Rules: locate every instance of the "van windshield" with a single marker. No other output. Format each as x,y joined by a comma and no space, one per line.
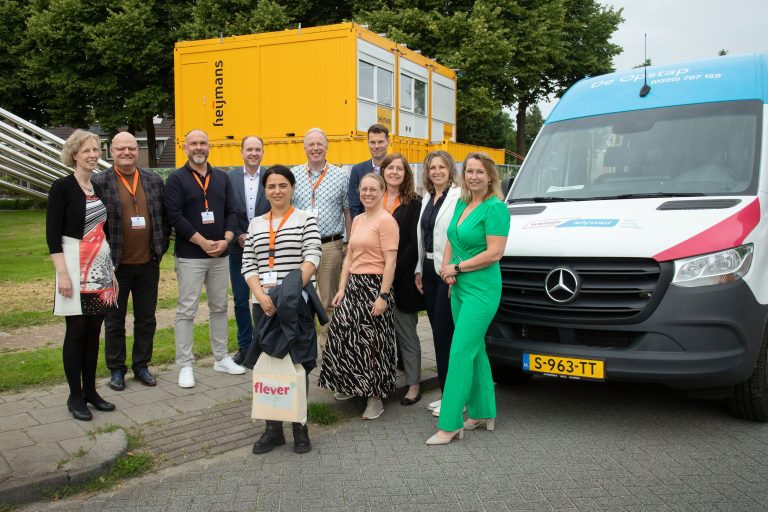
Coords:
708,149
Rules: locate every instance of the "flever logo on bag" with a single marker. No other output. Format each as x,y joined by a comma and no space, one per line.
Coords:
273,393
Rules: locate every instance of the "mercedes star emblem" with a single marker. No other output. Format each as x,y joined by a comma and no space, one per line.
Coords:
562,285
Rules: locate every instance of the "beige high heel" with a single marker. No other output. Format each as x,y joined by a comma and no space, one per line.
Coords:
436,439
488,423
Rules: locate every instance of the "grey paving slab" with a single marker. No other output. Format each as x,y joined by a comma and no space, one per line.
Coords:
19,406
58,431
145,396
193,402
16,421
149,412
39,458
77,445
55,399
52,414
14,439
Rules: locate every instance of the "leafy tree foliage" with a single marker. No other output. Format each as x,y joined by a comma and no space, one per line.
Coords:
510,53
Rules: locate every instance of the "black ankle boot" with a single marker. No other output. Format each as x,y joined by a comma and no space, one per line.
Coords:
301,442
272,436
78,409
99,403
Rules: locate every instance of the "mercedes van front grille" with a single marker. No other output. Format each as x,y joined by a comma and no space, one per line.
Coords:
581,290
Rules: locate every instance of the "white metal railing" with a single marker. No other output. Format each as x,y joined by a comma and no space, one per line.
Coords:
29,157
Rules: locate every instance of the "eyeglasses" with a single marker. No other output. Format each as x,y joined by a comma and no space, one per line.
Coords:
120,149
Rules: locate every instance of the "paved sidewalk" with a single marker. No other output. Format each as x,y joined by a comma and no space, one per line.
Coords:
38,434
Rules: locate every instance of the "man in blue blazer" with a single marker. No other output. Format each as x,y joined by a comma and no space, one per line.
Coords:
378,143
250,202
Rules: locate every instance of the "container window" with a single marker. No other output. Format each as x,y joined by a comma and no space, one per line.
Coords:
384,87
406,93
420,97
365,83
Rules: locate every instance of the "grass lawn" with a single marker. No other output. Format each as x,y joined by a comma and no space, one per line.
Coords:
26,272
43,366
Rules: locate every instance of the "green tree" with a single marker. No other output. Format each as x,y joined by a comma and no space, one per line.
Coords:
510,53
213,18
94,61
15,93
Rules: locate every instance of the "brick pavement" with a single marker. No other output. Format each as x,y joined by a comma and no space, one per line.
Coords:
38,434
557,446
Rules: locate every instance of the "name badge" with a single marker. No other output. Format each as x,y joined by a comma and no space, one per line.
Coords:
314,211
269,279
207,217
138,223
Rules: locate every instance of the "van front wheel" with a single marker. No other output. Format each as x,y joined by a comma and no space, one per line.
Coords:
750,399
509,375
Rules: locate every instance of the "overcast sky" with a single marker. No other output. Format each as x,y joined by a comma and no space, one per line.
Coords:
680,30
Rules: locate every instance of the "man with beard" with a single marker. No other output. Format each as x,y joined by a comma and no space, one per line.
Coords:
200,204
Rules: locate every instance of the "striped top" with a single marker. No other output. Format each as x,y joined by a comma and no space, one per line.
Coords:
296,242
95,213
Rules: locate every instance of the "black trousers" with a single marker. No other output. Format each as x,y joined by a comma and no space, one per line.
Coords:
140,281
438,306
80,354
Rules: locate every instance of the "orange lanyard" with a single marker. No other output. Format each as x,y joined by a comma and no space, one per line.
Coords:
204,187
131,190
394,205
317,183
273,235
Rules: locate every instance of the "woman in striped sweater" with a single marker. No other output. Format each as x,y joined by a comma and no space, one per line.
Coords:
278,242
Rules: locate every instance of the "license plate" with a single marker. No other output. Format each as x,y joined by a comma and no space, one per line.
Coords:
567,367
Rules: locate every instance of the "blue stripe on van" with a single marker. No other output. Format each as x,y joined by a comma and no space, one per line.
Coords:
727,78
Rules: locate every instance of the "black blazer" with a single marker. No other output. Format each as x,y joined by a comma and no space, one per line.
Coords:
353,195
241,205
65,212
407,297
292,328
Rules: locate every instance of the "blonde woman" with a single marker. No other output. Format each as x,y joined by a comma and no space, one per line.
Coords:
359,358
477,236
85,282
439,180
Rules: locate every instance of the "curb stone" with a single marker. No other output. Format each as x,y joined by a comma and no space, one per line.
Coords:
96,461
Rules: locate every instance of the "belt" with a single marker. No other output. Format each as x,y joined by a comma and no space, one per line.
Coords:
430,255
331,238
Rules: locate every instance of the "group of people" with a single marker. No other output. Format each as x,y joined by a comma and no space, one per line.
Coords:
376,252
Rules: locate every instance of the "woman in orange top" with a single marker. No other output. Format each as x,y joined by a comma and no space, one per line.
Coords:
359,357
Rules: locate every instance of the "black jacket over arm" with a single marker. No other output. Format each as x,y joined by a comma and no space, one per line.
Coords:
292,328
407,297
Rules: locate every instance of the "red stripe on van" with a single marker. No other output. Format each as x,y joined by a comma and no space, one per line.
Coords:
726,234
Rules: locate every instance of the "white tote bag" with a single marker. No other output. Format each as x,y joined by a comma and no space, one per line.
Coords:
279,390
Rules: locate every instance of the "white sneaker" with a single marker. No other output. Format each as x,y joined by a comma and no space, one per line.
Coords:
434,405
338,395
186,377
374,409
226,364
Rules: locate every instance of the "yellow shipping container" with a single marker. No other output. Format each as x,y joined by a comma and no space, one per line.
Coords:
341,78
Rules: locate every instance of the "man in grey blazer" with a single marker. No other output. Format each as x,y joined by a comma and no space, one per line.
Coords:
250,202
378,142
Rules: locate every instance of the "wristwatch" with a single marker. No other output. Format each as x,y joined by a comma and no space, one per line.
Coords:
457,268
384,295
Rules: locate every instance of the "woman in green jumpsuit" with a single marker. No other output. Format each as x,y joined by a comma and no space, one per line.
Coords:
477,235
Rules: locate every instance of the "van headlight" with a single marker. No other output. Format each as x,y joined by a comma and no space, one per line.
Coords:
716,268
